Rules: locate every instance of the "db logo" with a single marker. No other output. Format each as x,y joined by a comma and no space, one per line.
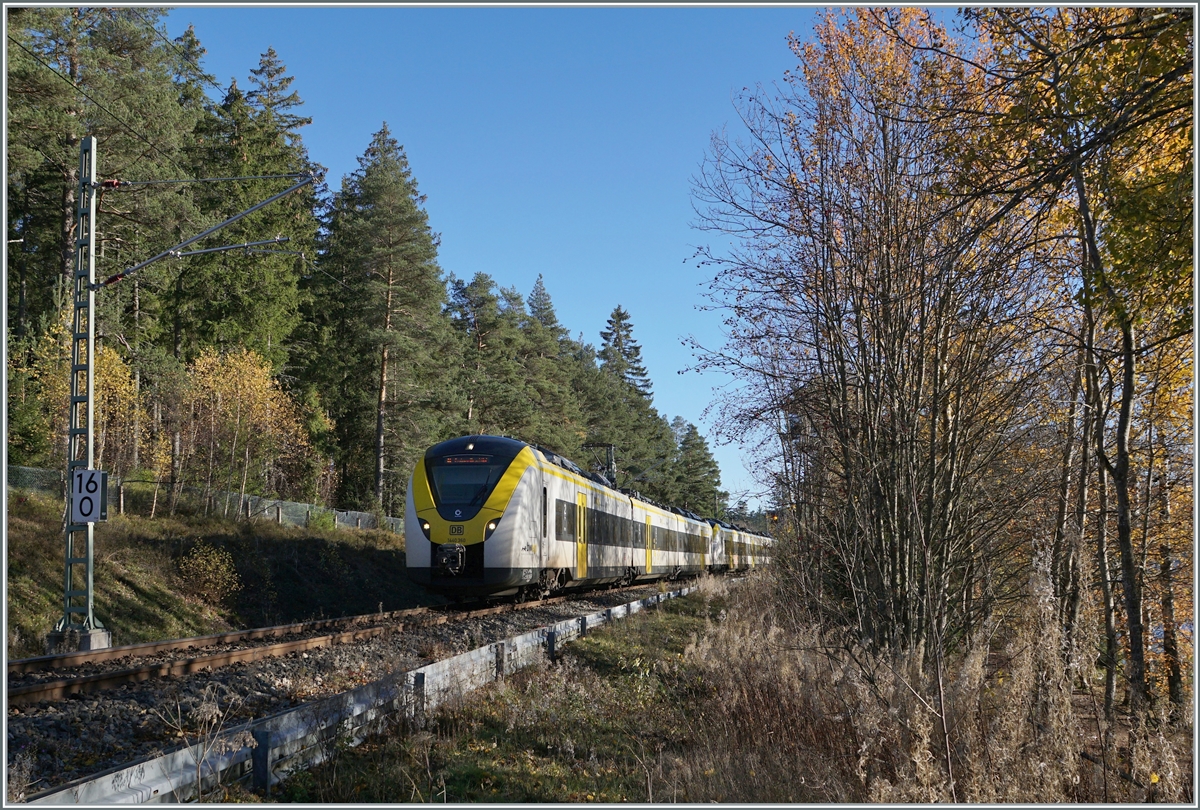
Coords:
456,530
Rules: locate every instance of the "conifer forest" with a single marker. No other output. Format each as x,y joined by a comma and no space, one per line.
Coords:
959,314
319,374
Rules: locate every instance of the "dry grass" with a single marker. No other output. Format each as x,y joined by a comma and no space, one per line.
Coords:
714,698
814,721
186,575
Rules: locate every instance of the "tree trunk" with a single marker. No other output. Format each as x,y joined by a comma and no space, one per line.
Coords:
1110,608
1129,574
381,413
178,320
1095,421
176,462
245,475
1170,638
1064,560
137,385
1119,470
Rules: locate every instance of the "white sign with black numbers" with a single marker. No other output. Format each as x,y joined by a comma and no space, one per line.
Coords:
89,496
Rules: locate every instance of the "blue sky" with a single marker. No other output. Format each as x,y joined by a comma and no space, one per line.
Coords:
558,141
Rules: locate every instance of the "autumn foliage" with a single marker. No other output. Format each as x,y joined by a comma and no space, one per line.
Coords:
960,307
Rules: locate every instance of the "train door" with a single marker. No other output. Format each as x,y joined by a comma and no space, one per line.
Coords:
581,538
649,543
540,532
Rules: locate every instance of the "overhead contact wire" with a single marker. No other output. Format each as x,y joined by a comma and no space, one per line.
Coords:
129,129
123,183
204,77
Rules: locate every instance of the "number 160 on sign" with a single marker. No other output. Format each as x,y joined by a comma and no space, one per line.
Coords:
89,496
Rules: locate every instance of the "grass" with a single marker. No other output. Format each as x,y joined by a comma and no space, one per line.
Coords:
599,726
714,698
279,574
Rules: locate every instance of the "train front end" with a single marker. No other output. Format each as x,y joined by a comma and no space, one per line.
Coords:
466,515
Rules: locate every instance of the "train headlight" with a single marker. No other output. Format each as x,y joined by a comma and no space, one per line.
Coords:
491,527
425,528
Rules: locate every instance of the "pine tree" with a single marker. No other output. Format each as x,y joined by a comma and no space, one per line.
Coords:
378,345
91,71
621,356
113,74
109,73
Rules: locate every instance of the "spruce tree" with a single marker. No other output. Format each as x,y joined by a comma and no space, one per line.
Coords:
615,413
621,356
697,474
249,299
558,421
492,380
271,96
541,308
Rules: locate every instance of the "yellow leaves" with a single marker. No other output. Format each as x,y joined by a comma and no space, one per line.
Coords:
240,417
118,409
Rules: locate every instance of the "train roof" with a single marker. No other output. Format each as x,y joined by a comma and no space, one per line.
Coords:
483,445
509,448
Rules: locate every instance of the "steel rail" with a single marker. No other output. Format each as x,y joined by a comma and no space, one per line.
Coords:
56,690
64,687
65,660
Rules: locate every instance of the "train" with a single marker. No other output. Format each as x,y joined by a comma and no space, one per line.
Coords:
491,516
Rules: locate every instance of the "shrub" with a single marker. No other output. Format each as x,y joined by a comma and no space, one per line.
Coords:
323,520
208,573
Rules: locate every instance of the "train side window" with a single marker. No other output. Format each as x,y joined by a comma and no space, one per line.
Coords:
564,514
543,513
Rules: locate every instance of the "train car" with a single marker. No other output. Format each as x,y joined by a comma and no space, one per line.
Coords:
734,548
492,516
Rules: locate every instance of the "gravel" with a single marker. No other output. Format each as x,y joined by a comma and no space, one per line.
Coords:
52,743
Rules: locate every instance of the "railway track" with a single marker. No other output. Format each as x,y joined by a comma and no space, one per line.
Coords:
172,657
62,739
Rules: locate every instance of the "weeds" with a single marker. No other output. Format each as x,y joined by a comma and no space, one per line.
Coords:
717,697
19,774
199,724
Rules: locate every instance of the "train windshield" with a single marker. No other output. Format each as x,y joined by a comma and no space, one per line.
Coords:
465,480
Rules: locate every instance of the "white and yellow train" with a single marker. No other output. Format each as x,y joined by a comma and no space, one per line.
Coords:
491,516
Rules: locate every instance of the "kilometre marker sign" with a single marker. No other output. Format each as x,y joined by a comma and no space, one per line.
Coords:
89,496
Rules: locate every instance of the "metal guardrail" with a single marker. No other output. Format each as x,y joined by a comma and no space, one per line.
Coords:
305,736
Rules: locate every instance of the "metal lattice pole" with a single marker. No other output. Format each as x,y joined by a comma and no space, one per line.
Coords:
78,612
78,571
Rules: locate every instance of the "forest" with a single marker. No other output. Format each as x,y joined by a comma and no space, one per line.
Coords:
317,369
